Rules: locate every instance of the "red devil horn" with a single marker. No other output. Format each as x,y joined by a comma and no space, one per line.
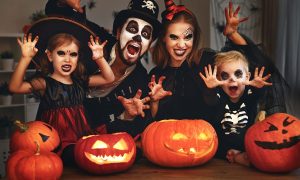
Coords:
170,5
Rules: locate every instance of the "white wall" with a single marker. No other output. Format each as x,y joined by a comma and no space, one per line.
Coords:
15,13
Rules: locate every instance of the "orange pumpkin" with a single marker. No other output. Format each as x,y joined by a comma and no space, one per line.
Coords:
27,164
273,145
106,153
26,134
179,143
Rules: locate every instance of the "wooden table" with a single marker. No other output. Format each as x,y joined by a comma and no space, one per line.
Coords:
215,169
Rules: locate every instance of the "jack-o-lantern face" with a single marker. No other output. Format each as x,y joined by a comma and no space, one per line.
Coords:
273,144
27,134
179,143
107,153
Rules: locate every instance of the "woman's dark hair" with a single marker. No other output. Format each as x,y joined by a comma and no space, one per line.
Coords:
160,54
59,40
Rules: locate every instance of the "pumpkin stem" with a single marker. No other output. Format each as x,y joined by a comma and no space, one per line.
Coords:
37,148
22,126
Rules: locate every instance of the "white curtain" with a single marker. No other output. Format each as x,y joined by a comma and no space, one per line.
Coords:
287,55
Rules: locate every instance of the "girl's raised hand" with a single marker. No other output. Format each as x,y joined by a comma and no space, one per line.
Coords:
96,47
259,81
210,77
157,90
28,46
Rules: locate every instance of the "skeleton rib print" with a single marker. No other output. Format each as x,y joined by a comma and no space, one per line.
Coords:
234,120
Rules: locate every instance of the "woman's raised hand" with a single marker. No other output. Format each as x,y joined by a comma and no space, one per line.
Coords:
232,20
157,91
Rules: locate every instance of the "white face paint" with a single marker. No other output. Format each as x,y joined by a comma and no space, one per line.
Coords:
135,39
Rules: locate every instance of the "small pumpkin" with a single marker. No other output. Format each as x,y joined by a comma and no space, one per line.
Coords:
179,143
273,145
105,153
29,164
26,134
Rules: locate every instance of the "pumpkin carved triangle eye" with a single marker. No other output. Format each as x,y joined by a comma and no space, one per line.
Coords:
286,122
44,137
121,145
179,136
271,128
99,145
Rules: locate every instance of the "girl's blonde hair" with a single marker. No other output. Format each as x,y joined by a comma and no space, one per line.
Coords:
231,56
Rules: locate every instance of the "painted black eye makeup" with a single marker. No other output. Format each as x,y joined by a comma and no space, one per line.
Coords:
238,73
224,76
61,53
188,34
147,32
189,37
173,36
132,27
73,54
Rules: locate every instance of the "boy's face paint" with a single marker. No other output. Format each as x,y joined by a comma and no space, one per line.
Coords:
135,39
235,73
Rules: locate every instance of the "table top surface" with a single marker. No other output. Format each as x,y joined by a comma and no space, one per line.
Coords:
214,169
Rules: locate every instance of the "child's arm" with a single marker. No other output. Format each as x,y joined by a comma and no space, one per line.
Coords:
28,49
259,81
210,77
106,76
157,93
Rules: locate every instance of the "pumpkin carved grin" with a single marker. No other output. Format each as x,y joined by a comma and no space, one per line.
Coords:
274,145
109,159
191,151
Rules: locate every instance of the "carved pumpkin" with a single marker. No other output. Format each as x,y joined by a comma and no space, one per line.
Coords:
179,143
26,134
106,153
28,164
273,145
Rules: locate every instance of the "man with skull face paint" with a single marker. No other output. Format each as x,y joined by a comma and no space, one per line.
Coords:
120,106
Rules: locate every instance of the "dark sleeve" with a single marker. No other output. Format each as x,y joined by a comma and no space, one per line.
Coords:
134,127
275,96
138,124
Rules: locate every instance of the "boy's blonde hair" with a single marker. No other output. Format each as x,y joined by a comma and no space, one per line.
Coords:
231,56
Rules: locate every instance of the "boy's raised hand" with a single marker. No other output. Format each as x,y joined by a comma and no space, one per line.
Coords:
259,81
96,47
210,77
28,46
157,91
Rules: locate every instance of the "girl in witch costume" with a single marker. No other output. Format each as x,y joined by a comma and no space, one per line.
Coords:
62,85
177,91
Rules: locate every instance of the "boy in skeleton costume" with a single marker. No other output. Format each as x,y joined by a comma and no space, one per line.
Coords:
236,102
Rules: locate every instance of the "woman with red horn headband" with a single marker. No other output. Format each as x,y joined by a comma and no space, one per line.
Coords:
177,90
